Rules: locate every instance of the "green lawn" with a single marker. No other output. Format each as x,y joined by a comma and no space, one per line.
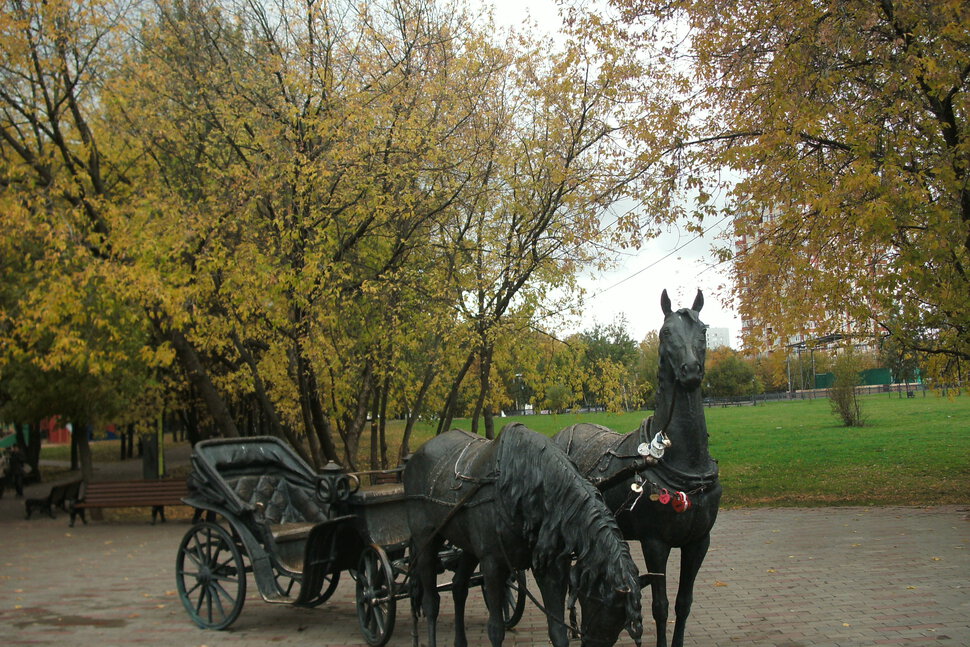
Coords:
913,451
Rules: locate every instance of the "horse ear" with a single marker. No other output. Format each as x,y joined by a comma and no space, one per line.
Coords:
665,303
698,302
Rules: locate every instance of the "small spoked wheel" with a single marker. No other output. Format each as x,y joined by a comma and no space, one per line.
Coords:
210,576
514,601
289,586
376,606
330,581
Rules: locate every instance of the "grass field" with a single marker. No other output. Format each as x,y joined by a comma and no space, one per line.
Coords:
913,451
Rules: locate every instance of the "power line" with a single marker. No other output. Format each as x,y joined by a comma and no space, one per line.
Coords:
659,260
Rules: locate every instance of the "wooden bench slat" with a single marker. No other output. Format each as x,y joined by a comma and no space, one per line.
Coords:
132,494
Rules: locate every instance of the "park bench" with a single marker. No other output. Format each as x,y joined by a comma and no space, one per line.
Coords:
131,494
61,496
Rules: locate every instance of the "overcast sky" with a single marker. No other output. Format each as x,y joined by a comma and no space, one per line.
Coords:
676,261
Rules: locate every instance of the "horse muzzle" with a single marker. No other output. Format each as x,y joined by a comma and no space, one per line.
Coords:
690,374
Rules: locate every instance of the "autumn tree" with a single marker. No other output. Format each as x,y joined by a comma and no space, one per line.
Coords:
306,215
835,135
561,160
729,375
772,370
610,356
646,367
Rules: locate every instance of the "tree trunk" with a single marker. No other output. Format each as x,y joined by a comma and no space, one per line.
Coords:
413,413
356,425
489,416
199,378
321,424
31,448
382,413
484,383
75,433
84,450
375,405
448,412
304,391
190,417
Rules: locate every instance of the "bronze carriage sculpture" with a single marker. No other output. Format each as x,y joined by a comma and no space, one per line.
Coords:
261,509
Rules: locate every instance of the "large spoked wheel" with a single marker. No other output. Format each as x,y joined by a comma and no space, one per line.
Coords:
376,606
514,604
210,576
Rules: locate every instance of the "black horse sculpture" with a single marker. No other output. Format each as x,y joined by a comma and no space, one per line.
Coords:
514,503
674,502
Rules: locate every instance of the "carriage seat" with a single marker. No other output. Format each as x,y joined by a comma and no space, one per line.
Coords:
279,501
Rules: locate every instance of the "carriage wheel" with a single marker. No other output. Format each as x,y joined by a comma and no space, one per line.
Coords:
290,586
514,604
376,606
210,576
330,581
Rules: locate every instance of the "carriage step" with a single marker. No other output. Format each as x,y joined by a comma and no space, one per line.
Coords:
278,598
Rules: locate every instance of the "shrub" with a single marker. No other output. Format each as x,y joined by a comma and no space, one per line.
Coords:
845,401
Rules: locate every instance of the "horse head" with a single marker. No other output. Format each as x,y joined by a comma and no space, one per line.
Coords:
604,619
683,342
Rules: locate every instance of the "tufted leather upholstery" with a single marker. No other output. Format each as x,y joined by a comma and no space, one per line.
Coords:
281,501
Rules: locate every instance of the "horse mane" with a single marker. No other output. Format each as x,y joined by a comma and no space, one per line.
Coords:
563,515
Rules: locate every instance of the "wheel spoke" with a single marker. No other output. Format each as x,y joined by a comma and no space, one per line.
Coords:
217,599
379,619
202,597
196,554
225,594
192,590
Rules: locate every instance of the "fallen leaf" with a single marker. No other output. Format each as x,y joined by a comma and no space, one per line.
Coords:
719,583
771,570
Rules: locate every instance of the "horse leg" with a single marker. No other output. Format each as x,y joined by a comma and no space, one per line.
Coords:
691,558
425,565
459,591
495,574
552,586
655,554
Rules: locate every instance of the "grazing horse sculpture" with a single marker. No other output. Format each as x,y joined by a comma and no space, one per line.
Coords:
514,503
664,503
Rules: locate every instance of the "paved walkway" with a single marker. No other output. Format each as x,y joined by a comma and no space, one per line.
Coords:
836,577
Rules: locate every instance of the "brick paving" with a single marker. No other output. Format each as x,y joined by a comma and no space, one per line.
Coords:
834,577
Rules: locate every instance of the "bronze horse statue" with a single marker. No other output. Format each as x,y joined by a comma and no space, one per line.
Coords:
513,503
670,502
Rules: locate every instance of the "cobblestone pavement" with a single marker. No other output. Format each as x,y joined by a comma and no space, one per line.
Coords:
774,577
